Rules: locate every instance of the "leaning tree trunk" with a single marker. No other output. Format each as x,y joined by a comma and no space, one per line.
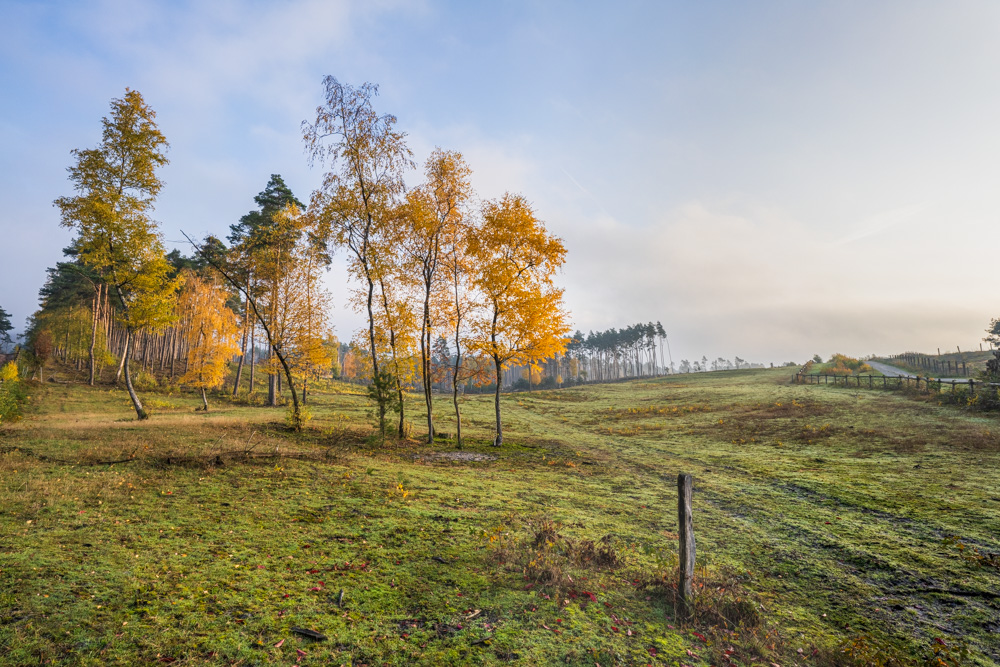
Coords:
139,411
204,400
296,410
121,363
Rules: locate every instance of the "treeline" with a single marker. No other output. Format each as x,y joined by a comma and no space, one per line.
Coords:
719,364
634,351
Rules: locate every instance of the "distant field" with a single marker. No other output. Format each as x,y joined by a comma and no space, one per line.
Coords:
840,527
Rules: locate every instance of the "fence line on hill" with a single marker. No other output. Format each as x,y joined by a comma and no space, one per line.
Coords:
931,363
888,382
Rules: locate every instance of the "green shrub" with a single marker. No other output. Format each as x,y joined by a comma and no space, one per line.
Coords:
12,393
142,380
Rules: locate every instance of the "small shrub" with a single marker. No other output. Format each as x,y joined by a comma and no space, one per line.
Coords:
843,365
12,393
297,423
143,380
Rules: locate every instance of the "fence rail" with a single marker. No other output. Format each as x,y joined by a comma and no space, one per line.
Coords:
930,363
887,382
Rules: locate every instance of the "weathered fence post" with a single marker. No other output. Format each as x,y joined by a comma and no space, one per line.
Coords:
685,523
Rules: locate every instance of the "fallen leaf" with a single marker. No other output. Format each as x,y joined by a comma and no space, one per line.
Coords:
278,645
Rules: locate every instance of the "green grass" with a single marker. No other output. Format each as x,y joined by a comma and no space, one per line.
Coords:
833,518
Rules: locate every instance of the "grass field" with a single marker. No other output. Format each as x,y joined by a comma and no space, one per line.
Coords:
834,527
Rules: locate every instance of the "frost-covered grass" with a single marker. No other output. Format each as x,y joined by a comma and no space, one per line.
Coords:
831,518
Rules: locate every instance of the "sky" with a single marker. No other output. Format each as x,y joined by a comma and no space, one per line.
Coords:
769,180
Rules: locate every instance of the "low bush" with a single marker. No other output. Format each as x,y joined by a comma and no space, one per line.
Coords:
840,364
13,393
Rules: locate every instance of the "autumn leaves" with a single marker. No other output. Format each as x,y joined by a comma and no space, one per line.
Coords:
433,270
427,262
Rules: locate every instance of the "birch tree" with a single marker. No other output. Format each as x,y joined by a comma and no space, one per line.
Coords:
367,157
117,185
515,260
434,213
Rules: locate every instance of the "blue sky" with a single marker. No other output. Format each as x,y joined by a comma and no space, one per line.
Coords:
768,179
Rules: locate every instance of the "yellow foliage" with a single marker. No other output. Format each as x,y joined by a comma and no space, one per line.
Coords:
9,372
516,259
117,185
211,332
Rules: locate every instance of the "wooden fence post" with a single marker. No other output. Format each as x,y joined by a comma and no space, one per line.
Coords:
685,586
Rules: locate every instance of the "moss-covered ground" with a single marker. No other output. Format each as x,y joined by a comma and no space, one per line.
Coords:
837,526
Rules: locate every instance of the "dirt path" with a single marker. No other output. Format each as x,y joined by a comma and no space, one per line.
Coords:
893,372
889,371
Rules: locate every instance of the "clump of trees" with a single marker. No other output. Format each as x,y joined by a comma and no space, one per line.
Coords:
453,290
424,260
633,351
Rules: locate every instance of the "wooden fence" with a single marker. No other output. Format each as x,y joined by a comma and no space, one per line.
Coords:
931,363
886,382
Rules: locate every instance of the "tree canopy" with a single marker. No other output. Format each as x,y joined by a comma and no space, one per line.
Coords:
117,185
